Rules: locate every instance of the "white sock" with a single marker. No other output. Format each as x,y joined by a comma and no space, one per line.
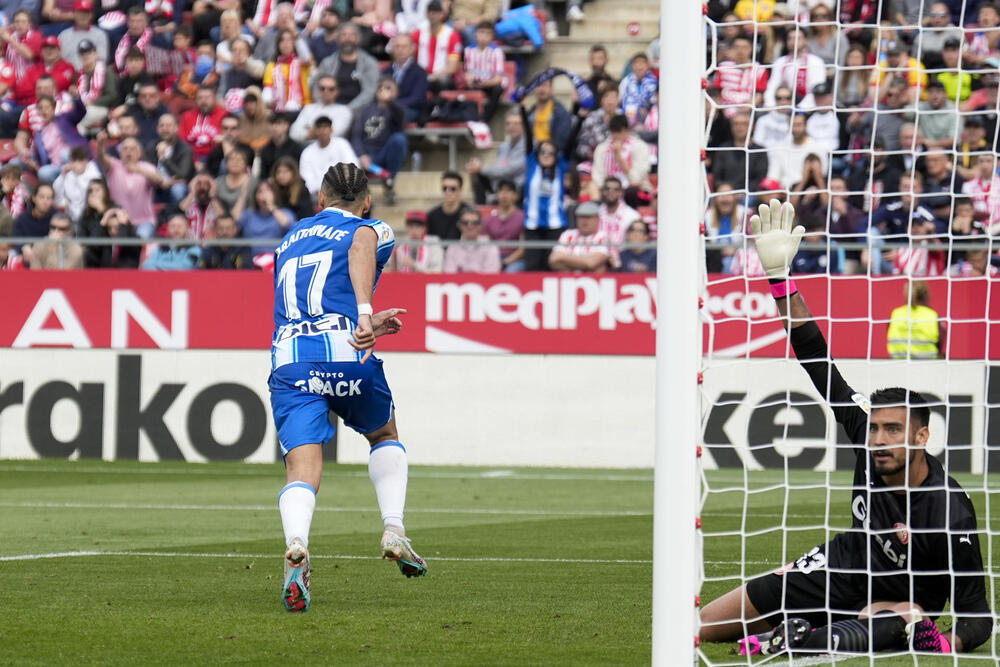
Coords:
388,471
296,503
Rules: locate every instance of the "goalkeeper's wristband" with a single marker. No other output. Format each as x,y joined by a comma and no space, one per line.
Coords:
782,287
365,309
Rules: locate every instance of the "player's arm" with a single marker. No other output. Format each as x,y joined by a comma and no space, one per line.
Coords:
777,240
361,265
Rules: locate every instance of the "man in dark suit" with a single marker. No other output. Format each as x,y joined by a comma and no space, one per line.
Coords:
411,78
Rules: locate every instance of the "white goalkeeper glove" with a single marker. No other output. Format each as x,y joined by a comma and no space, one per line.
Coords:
777,241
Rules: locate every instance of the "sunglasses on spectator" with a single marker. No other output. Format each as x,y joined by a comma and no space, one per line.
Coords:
328,88
449,188
636,229
470,223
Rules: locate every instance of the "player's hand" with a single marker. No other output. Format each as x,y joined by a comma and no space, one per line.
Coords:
364,337
386,322
777,239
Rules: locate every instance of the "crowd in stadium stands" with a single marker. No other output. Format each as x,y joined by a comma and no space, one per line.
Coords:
877,119
218,119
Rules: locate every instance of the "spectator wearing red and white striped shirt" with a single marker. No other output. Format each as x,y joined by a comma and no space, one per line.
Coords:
15,194
584,248
740,80
23,44
202,207
484,64
799,70
10,260
746,262
918,259
624,156
614,215
439,48
978,188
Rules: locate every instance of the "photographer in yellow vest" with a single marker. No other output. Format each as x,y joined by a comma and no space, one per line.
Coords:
914,332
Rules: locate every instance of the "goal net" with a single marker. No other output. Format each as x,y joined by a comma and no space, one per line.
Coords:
878,121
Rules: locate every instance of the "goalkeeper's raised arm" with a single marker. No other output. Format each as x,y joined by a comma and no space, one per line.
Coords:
777,238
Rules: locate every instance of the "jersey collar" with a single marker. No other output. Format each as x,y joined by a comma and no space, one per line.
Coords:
347,214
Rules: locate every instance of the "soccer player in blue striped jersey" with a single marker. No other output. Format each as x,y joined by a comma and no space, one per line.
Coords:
325,272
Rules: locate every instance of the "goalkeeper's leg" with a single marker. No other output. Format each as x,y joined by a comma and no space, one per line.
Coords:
731,616
760,604
887,631
882,626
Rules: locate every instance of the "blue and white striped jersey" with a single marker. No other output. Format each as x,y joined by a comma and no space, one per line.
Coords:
315,310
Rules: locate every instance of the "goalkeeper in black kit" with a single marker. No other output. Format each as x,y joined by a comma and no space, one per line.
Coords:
913,544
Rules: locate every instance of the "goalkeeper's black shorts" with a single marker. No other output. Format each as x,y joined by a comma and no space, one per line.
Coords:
810,588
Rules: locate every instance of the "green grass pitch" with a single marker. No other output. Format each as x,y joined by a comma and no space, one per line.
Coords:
181,563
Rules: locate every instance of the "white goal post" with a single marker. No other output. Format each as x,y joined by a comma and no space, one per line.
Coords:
751,468
678,335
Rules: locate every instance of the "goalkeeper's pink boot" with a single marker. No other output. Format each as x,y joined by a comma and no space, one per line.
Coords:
786,636
923,635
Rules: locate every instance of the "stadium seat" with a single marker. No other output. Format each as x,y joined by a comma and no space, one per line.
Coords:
477,96
438,133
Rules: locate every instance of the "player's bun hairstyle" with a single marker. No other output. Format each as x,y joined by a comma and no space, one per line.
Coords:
345,182
897,397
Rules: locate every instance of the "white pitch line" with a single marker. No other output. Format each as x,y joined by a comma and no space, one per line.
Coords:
498,474
276,557
741,562
268,508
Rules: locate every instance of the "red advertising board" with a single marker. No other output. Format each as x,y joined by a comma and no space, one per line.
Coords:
520,313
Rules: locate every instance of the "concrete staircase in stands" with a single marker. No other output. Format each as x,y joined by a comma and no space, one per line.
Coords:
606,23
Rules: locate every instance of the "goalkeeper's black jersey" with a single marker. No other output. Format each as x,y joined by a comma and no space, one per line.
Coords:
919,544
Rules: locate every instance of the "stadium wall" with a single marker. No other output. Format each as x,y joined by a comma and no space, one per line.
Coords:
484,409
530,369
